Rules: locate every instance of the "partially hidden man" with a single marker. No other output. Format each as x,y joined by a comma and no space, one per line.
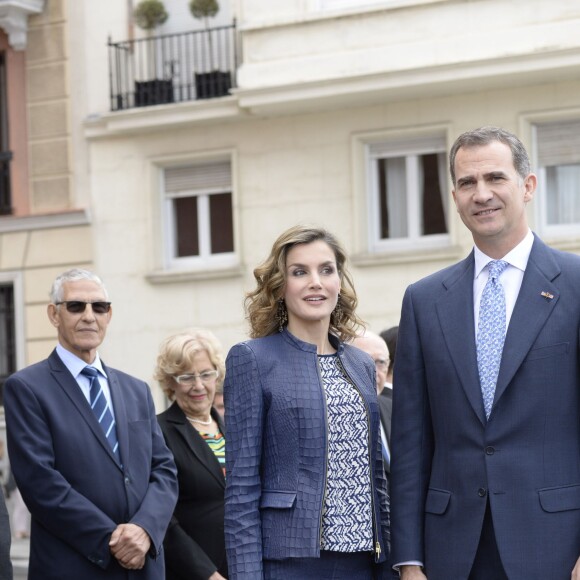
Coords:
485,478
87,452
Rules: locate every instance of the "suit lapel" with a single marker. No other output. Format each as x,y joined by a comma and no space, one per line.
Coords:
120,411
195,442
71,388
455,313
530,312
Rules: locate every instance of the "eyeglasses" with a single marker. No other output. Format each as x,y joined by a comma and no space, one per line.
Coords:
78,306
382,363
207,377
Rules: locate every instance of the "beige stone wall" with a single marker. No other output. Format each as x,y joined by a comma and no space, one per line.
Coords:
34,248
48,94
38,256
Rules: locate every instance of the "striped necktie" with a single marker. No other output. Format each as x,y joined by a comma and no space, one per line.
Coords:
101,409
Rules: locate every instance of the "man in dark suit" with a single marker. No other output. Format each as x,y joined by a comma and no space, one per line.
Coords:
376,347
86,451
390,337
485,479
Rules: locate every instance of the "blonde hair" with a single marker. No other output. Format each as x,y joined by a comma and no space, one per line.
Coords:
262,303
176,354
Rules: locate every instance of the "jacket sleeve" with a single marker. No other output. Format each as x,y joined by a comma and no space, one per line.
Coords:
56,505
184,556
157,506
244,406
412,440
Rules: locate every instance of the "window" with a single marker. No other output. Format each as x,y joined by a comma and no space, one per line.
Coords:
408,192
7,334
198,214
558,161
5,154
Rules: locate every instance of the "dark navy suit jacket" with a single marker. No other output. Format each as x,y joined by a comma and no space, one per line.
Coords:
74,487
276,451
449,461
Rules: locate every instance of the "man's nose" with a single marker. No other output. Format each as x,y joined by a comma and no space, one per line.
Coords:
482,192
88,313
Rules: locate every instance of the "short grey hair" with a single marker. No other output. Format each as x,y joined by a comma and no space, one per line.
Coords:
73,275
486,135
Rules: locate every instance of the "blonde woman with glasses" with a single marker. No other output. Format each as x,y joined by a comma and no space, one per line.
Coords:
190,368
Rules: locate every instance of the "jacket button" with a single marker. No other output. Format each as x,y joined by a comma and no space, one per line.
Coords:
482,492
489,450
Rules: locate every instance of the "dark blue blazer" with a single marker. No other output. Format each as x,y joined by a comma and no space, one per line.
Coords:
71,482
449,462
276,451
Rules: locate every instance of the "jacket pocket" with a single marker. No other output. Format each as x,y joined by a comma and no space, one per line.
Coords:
278,499
437,501
560,499
547,351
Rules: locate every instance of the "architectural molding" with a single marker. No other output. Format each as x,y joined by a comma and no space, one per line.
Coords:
28,223
14,19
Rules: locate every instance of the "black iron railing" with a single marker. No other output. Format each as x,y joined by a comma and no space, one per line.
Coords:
5,191
172,68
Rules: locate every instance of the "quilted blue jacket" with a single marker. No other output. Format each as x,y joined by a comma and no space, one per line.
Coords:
276,451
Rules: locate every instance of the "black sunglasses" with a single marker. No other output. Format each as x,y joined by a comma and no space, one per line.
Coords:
77,306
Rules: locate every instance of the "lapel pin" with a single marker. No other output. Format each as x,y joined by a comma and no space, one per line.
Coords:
547,295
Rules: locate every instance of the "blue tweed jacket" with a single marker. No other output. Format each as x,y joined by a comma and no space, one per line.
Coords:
276,451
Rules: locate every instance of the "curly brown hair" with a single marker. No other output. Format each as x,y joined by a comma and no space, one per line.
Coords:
262,303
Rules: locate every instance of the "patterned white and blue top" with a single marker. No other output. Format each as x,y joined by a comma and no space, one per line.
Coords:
347,512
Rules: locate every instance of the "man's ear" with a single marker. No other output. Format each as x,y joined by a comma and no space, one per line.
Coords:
53,315
530,184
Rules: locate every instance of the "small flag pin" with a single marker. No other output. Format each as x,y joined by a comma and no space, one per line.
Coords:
547,295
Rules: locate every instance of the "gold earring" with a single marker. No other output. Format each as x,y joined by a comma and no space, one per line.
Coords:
337,313
281,315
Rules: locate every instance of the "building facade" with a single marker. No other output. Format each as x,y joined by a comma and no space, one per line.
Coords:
169,161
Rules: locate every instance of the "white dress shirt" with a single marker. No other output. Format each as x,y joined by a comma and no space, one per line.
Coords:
511,279
75,365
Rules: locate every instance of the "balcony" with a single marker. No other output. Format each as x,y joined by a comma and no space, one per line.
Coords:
173,68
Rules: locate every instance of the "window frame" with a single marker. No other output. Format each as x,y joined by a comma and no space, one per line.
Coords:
205,261
407,146
544,229
15,278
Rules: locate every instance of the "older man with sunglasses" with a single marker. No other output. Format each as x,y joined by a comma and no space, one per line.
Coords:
87,452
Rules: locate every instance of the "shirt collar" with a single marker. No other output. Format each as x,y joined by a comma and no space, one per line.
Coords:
517,257
74,364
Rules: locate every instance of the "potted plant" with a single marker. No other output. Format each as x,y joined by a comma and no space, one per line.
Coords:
148,15
213,82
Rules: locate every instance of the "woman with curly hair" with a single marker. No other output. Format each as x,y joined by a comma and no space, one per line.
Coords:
190,368
305,488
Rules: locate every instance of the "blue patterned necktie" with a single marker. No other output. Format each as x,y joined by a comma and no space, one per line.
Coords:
101,409
491,332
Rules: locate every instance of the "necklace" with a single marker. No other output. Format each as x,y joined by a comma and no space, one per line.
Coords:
199,421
